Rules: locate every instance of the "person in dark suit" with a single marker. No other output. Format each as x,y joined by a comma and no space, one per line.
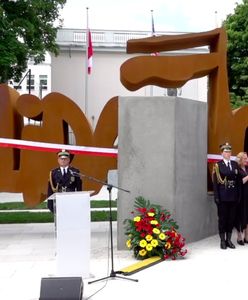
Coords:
241,223
65,178
227,190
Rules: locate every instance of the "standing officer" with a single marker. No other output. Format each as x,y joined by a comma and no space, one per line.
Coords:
64,178
226,182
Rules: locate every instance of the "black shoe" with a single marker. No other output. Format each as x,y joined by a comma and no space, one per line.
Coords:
245,241
229,244
241,242
222,244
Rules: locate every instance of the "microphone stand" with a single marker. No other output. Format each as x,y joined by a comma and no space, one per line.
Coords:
113,273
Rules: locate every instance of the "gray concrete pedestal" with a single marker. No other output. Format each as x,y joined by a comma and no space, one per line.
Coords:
162,156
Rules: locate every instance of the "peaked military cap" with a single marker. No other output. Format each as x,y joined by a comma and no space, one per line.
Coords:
64,153
226,147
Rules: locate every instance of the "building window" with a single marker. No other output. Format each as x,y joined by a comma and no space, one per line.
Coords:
43,82
30,82
15,85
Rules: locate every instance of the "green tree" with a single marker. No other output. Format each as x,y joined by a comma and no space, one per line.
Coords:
237,53
27,30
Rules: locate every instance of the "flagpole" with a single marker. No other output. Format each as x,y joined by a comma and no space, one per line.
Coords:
86,66
216,18
153,33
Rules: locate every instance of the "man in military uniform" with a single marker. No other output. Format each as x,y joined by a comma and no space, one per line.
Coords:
64,178
227,187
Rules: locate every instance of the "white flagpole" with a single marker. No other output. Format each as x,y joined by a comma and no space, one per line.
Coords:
216,18
153,33
86,66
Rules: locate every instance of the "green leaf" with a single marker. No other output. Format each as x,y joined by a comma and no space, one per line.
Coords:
236,26
26,30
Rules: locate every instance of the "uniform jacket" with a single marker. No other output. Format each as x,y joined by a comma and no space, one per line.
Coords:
226,182
68,182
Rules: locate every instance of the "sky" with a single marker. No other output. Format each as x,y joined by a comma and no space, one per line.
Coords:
173,15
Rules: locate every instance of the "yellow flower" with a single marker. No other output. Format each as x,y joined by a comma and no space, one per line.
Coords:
154,243
162,236
142,243
142,252
154,222
150,214
167,245
128,244
149,247
149,238
156,231
137,219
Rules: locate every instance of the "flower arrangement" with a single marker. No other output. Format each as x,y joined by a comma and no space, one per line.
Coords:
152,232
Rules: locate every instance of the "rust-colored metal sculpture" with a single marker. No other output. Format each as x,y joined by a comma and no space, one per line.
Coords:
27,171
174,71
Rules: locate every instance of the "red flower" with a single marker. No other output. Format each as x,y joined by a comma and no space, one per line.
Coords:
183,252
141,210
161,219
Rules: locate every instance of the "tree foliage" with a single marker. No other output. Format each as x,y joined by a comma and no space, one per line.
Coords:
237,53
27,31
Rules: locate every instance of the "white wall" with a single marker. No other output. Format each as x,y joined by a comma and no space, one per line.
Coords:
68,78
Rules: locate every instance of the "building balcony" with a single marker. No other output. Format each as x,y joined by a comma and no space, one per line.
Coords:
75,39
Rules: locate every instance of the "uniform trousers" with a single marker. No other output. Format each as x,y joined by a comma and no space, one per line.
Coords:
226,215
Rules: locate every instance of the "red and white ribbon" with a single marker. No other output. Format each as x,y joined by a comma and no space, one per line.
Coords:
95,151
216,157
49,147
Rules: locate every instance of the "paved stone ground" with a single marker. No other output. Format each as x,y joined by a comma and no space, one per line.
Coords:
27,254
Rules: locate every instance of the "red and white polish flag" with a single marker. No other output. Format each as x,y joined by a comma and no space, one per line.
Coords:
90,52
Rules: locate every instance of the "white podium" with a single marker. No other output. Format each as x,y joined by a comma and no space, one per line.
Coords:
72,219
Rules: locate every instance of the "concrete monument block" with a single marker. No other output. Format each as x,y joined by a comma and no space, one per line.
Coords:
162,146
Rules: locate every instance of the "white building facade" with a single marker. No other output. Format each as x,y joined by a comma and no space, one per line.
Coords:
36,80
68,71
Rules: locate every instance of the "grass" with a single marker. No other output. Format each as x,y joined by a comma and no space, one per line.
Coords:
46,217
97,216
25,217
43,205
